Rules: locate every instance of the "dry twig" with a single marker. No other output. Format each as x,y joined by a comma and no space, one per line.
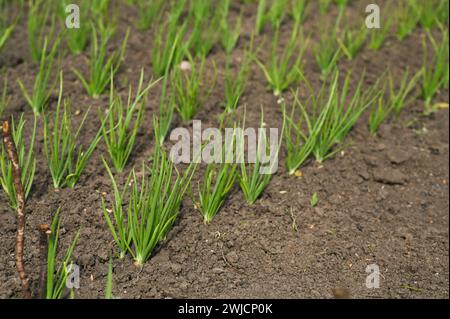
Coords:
44,233
12,154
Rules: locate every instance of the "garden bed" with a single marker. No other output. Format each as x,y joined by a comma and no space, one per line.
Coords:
383,199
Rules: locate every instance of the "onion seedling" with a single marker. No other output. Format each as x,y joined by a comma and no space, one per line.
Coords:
118,130
435,75
252,180
406,18
100,64
75,38
187,85
342,3
104,14
162,122
40,95
314,200
4,98
398,99
216,184
341,113
205,29
443,12
38,14
277,13
167,49
109,281
57,276
327,52
261,17
167,102
152,208
352,41
426,11
26,159
378,36
302,130
199,11
148,12
333,114
99,8
66,160
235,84
5,34
378,113
229,37
6,26
283,68
299,11
323,6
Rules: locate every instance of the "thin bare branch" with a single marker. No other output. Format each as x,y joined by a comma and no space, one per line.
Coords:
12,154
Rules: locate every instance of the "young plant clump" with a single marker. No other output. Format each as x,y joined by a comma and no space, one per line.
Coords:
57,276
101,66
327,52
327,120
66,160
38,36
118,130
261,17
399,98
206,24
4,97
406,18
6,26
167,101
187,84
300,144
277,13
148,12
153,206
352,41
167,49
216,185
428,12
340,114
378,114
394,101
41,92
27,162
435,75
378,36
76,38
235,84
299,11
229,37
283,68
252,179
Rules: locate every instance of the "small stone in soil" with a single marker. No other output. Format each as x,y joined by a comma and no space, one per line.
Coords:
389,176
364,174
176,268
232,257
398,156
217,270
372,161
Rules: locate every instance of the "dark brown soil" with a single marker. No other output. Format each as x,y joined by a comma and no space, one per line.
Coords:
382,200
